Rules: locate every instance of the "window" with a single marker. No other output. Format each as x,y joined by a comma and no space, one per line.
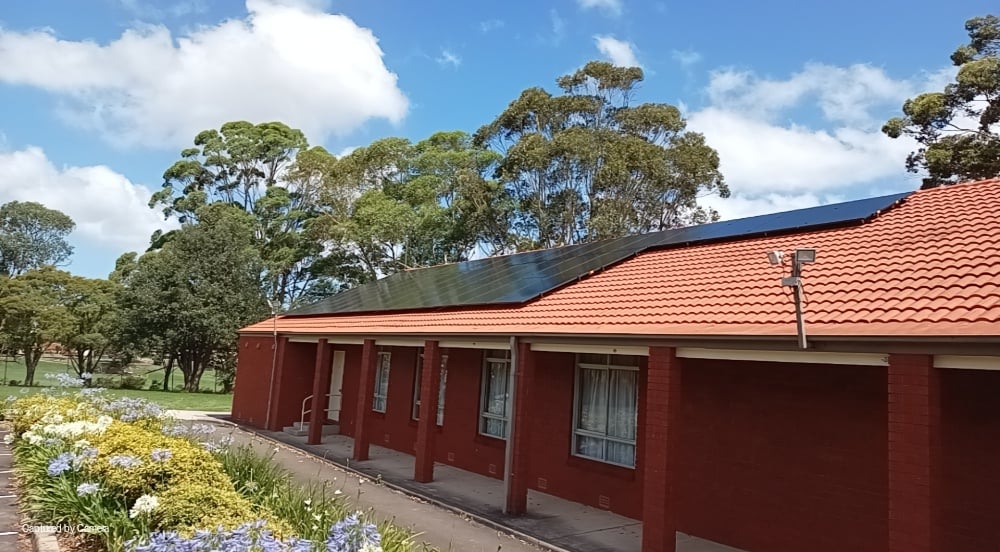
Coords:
493,405
381,383
441,387
607,410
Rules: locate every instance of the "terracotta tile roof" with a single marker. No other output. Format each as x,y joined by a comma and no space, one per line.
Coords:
928,267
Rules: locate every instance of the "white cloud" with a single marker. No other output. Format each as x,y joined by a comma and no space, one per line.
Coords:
772,164
448,58
686,58
108,209
491,25
558,26
286,61
611,7
619,52
843,94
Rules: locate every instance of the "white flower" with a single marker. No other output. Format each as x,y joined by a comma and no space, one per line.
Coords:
308,501
104,421
144,505
369,547
32,438
337,492
8,439
81,444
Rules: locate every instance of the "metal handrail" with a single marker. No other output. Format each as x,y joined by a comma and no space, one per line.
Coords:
302,418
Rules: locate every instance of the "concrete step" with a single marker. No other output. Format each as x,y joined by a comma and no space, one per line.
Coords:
300,429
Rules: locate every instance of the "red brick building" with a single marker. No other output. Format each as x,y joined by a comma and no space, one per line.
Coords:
671,381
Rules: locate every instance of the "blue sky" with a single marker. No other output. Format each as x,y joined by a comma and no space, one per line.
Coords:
100,96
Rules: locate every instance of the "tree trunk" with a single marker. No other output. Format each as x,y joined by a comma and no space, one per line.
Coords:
167,370
31,357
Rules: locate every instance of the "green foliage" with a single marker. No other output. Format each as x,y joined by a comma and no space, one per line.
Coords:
190,489
588,165
33,307
189,298
396,205
89,335
270,173
189,505
188,462
958,130
32,236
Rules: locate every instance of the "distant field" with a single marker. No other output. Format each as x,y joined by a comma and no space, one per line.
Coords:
14,370
176,400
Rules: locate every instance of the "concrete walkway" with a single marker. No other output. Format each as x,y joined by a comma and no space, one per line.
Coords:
460,510
10,519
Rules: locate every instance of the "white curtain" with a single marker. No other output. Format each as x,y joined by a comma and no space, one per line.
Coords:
496,399
622,413
608,405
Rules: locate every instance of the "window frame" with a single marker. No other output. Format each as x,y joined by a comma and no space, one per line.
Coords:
384,362
484,415
578,432
442,386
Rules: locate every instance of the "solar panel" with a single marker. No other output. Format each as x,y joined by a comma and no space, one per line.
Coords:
514,279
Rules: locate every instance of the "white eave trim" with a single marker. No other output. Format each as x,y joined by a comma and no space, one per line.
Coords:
804,357
331,339
478,344
967,362
594,349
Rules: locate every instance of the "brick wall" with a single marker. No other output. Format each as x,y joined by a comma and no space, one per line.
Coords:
553,469
969,497
253,374
783,457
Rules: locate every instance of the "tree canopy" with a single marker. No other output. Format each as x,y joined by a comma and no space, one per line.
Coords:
34,313
586,164
958,130
189,298
268,171
32,236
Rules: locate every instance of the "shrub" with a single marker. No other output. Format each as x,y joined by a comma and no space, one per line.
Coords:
132,382
133,461
188,504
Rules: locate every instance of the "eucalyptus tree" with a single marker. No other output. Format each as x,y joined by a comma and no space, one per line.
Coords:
32,236
269,171
586,164
958,130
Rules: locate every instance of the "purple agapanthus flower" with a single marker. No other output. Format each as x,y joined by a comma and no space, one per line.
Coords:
61,464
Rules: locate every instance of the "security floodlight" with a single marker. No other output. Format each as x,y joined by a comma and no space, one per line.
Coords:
801,256
805,255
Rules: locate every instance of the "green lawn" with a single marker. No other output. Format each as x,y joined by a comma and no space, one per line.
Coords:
175,400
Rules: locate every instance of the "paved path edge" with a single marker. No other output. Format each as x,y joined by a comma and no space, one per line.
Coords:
492,524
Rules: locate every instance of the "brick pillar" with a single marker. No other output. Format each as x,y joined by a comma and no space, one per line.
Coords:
274,391
521,417
661,444
430,382
914,416
321,387
366,387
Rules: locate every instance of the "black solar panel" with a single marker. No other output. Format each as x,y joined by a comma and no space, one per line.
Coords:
519,278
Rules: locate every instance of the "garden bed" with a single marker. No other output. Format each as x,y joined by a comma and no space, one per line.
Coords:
127,477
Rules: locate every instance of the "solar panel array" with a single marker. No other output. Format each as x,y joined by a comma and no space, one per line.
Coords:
514,279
